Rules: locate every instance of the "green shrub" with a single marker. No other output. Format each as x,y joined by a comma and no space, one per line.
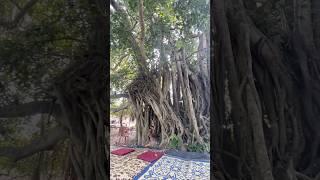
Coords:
175,142
199,147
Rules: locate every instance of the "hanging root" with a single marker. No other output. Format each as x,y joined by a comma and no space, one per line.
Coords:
150,106
82,99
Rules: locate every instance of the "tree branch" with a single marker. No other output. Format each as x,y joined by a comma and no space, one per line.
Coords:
116,96
19,16
120,108
141,21
120,61
302,176
27,109
137,47
115,5
16,4
46,142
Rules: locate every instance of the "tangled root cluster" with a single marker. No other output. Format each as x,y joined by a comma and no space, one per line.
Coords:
81,92
141,85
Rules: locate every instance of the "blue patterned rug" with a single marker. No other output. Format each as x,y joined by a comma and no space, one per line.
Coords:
176,168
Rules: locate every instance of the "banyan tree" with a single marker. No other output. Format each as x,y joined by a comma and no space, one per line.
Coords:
173,96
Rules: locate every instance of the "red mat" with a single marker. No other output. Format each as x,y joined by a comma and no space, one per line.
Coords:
122,151
150,156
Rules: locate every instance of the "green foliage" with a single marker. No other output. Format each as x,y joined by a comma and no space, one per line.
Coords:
194,12
115,104
24,166
122,70
175,142
199,147
32,56
53,161
170,20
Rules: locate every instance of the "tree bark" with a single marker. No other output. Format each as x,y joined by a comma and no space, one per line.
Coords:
29,109
19,16
266,77
43,143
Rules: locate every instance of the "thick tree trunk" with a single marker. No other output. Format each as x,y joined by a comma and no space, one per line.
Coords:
269,118
81,91
37,171
183,72
315,6
121,116
175,90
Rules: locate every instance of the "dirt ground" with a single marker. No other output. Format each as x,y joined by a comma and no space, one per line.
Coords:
114,130
114,137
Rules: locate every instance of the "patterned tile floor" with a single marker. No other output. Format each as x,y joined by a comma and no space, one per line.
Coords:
168,167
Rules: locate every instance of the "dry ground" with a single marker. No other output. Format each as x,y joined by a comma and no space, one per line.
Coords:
114,129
